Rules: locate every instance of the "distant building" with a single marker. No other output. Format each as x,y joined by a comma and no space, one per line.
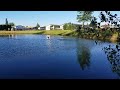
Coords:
54,27
109,26
19,27
43,28
29,28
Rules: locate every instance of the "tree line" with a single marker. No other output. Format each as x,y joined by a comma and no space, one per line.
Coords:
105,16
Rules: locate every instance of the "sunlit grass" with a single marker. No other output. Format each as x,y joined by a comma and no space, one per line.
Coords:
20,32
114,37
50,32
58,32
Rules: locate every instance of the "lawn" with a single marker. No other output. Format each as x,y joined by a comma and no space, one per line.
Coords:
20,32
51,32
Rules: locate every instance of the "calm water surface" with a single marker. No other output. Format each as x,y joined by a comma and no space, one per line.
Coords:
36,57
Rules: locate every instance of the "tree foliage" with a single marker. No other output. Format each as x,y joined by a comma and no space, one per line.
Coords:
37,25
84,16
112,19
65,26
69,26
12,24
93,22
6,21
107,16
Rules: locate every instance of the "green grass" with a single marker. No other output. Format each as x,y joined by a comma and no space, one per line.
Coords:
58,32
20,32
51,32
46,32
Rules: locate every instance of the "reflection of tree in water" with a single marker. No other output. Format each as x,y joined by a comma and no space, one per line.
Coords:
113,55
83,54
10,35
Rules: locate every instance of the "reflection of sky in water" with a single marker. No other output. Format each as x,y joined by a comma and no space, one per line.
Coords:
35,56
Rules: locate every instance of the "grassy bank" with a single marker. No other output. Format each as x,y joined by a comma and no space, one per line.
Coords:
51,32
102,36
20,32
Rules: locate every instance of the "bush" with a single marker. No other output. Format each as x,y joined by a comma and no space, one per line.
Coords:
106,33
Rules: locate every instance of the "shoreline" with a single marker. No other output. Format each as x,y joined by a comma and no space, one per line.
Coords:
70,33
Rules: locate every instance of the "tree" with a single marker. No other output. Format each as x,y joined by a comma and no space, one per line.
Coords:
65,26
112,19
84,16
12,24
69,26
113,56
93,22
37,25
6,21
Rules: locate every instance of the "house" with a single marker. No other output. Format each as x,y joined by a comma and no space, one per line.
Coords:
54,27
104,26
109,26
29,28
20,27
43,28
113,26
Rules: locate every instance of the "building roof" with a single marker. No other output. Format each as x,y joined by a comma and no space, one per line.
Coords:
55,24
43,27
29,27
76,24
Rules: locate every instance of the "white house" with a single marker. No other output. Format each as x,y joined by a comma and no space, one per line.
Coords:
48,27
54,27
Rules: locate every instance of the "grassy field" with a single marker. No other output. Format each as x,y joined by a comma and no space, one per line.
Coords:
19,32
51,32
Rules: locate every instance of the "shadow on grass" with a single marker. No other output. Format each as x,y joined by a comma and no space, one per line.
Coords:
69,34
61,33
42,32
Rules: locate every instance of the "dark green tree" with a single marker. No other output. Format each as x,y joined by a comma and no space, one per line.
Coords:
12,24
65,26
6,21
93,22
37,25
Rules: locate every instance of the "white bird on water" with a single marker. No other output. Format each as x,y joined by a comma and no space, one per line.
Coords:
48,36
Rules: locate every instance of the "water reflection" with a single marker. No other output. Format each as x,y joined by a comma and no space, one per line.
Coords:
12,36
48,43
113,56
4,35
83,55
9,36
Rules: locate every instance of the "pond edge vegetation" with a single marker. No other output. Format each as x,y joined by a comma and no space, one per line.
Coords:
104,36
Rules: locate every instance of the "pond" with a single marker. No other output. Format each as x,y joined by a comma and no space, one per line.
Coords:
57,57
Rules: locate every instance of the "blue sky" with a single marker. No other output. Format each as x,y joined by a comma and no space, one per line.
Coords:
31,18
